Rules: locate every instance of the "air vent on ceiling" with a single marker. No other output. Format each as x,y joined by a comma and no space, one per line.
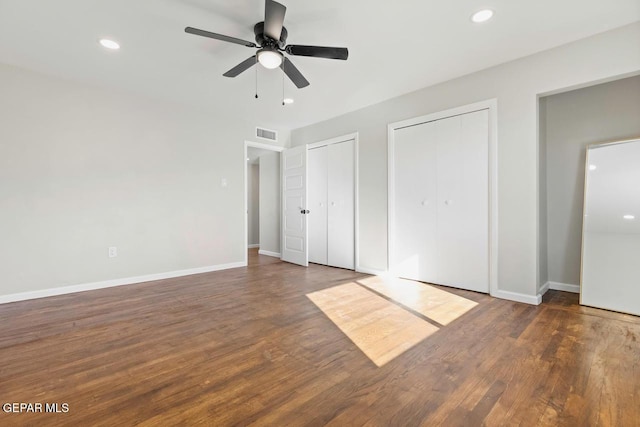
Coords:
270,135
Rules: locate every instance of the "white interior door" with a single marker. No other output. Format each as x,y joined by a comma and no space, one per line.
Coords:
415,193
341,210
441,202
463,201
317,202
294,205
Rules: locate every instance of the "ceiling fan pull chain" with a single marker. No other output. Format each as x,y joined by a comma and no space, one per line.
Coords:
282,66
256,76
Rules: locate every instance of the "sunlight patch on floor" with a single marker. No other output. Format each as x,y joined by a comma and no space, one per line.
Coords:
381,329
432,302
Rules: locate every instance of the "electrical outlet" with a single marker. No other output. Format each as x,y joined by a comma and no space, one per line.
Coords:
113,252
223,182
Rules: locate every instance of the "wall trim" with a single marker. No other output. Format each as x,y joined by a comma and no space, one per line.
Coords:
43,293
566,287
371,271
253,245
543,289
269,253
517,297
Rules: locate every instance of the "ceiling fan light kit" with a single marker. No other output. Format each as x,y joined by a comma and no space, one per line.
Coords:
271,38
269,58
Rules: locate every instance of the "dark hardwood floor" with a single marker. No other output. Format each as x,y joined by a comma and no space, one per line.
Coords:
247,347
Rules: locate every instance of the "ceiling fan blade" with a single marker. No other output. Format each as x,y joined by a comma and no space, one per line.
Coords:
243,66
273,18
217,36
318,51
294,74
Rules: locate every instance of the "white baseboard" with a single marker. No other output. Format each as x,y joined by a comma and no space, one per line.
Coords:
269,253
115,282
518,297
372,271
557,286
544,289
253,246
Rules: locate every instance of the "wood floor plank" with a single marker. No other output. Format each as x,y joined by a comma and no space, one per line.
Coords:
379,328
248,347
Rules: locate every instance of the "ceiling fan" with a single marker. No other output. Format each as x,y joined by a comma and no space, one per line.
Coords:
271,38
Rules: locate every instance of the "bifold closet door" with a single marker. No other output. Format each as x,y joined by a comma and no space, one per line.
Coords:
440,202
317,202
415,193
341,205
463,201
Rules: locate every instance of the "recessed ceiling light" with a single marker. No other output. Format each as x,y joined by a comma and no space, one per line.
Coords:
482,16
288,100
109,44
629,217
592,167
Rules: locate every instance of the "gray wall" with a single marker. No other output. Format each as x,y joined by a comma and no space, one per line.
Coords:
85,168
253,203
270,202
516,86
605,112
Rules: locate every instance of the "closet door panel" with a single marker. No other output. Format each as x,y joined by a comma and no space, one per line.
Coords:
341,205
317,204
415,204
462,212
475,212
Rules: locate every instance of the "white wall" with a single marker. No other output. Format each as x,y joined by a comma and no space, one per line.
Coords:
575,119
270,202
516,85
84,168
253,203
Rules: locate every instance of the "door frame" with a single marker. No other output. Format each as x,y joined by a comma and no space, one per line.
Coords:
247,145
492,106
356,204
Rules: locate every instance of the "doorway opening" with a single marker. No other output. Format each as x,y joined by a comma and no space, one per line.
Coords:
262,200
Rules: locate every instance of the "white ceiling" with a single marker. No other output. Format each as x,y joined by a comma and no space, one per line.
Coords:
395,46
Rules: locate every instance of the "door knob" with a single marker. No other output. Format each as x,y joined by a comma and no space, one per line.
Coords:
305,211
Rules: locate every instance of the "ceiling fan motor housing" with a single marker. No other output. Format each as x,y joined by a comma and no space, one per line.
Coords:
265,41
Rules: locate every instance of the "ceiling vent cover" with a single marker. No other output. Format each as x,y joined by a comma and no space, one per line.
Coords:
267,134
